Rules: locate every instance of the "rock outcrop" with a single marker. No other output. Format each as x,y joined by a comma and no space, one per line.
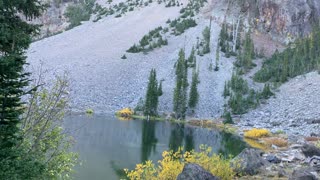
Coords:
283,19
250,161
310,150
194,171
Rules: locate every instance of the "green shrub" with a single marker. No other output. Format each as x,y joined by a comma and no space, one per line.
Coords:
76,14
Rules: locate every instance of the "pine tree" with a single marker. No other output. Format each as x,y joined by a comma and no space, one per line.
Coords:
152,96
180,91
194,94
15,37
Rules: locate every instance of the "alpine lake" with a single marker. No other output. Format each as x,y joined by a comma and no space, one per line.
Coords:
107,145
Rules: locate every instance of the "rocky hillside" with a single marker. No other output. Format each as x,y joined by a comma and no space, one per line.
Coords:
102,80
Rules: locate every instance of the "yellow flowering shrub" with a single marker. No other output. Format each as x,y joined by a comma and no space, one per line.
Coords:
172,164
125,113
256,133
142,171
318,144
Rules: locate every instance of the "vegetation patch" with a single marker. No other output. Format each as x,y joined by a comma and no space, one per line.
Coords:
256,133
299,58
152,40
279,142
155,38
125,113
213,124
89,111
172,164
256,144
79,12
312,138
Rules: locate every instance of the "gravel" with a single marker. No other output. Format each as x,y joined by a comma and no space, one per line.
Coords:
294,107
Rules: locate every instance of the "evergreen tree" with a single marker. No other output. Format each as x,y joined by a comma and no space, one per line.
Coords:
246,56
152,97
206,36
226,91
217,58
160,92
192,56
180,91
15,37
194,94
266,92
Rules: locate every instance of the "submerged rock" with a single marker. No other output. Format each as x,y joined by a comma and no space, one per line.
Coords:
194,172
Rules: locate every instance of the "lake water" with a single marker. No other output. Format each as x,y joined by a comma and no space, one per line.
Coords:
107,145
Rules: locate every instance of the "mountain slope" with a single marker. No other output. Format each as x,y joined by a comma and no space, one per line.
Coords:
101,80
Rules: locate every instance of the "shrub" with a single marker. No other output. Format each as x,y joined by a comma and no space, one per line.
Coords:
172,164
79,12
312,139
318,144
89,111
256,133
280,142
255,144
228,118
124,57
126,112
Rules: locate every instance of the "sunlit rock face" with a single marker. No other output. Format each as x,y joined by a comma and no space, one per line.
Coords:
283,19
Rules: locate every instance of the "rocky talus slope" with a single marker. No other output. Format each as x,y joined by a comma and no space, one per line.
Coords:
101,80
295,108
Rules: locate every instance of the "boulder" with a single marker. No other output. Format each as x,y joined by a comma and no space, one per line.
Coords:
195,172
315,163
250,161
273,159
310,150
303,174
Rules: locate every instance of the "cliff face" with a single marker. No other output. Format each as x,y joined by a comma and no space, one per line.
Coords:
283,19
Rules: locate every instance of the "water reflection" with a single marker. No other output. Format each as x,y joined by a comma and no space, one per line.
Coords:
107,145
148,139
176,136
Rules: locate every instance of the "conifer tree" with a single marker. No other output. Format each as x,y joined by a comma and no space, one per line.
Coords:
180,91
192,56
216,68
152,97
160,92
194,94
15,37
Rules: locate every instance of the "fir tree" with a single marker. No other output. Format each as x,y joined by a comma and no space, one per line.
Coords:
216,68
194,94
15,37
180,91
152,96
192,56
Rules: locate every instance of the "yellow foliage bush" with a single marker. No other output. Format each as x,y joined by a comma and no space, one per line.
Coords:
318,144
125,113
256,133
173,162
